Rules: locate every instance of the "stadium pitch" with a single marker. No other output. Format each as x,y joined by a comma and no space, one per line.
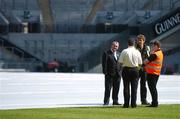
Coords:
110,112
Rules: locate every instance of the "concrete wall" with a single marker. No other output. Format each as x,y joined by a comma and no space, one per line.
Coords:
64,47
172,62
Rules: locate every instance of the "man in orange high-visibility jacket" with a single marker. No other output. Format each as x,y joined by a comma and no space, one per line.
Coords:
153,65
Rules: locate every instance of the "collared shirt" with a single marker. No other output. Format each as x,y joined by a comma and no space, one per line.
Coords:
115,55
145,51
130,57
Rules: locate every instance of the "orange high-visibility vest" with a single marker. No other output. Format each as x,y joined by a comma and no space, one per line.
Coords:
154,67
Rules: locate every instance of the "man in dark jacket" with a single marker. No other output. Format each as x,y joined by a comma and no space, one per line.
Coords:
145,52
111,71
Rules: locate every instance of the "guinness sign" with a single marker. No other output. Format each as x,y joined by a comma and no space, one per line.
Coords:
167,23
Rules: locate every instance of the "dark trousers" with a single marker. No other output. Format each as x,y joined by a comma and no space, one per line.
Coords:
152,82
143,89
130,78
111,82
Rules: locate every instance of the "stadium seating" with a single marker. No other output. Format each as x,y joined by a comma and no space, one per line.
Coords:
71,30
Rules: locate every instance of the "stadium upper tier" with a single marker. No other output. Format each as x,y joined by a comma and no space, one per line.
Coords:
110,5
8,5
78,10
69,16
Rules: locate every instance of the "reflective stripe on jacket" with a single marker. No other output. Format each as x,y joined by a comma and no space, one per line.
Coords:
154,67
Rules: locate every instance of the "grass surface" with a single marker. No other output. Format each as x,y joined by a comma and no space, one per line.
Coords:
141,112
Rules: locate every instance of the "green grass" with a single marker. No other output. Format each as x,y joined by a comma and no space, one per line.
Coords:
141,112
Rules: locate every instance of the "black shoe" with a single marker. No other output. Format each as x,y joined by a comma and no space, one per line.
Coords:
116,103
133,106
145,103
125,106
106,103
152,106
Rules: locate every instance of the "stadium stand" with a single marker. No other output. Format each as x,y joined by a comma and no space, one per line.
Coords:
77,31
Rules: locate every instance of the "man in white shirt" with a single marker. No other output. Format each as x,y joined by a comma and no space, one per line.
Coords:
130,59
